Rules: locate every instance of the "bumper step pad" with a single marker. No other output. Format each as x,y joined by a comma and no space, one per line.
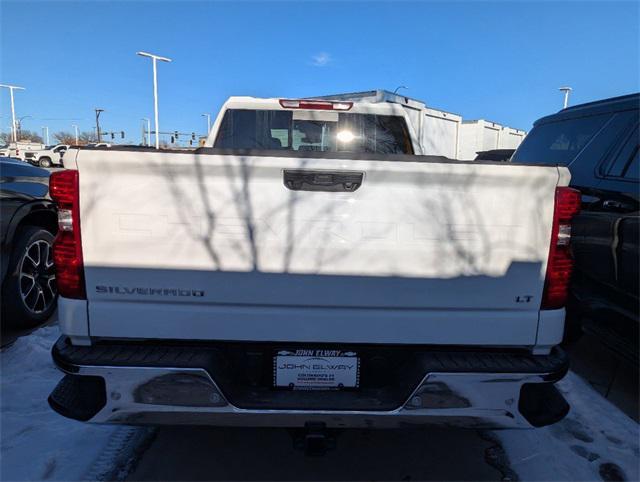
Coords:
78,397
202,355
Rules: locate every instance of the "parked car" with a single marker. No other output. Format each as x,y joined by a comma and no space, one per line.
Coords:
47,157
99,144
598,142
28,223
306,267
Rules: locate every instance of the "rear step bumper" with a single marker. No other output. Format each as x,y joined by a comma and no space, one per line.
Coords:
168,384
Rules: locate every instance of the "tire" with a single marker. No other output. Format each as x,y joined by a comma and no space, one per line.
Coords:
29,292
44,162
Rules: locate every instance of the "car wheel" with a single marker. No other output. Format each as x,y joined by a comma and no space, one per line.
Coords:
45,162
29,292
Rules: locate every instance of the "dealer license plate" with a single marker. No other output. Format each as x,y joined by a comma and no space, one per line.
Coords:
316,369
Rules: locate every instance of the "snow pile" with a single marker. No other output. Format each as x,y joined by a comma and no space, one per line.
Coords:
596,441
36,442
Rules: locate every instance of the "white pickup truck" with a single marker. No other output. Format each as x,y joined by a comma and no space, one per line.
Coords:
309,267
48,156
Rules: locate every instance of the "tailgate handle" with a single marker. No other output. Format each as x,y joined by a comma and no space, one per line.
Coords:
329,181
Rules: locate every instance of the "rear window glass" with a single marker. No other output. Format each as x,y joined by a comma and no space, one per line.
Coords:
632,171
623,162
320,131
558,142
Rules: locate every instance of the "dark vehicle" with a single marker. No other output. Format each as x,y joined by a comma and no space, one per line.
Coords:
499,155
599,141
29,224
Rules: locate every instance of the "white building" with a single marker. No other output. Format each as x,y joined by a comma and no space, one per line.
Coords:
443,133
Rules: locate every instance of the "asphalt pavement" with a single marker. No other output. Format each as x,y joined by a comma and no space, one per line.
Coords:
210,453
611,375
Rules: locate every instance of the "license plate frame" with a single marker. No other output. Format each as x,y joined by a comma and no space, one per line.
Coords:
316,369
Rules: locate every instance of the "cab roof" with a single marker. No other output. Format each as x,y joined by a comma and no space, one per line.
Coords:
604,106
274,103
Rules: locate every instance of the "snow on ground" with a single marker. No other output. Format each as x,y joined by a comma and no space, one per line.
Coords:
596,441
36,442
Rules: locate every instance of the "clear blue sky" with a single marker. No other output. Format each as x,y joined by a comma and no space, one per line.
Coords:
502,61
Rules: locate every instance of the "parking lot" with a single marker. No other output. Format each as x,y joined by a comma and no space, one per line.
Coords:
320,240
209,453
431,453
606,446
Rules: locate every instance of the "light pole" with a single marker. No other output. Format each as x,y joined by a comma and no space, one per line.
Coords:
98,112
45,134
155,58
208,116
19,125
148,136
75,127
566,91
13,109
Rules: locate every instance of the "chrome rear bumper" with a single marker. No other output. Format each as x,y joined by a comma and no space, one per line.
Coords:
178,395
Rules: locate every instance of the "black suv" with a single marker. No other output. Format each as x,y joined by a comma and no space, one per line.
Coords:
599,142
28,225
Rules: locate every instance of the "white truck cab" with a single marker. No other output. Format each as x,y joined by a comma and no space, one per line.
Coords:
321,113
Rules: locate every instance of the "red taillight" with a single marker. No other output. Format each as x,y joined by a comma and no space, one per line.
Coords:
560,264
67,247
315,104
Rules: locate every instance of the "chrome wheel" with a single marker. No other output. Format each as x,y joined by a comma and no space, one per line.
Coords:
37,277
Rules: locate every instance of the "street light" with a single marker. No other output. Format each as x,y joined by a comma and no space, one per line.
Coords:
148,136
19,125
155,58
75,127
208,116
13,109
98,112
566,91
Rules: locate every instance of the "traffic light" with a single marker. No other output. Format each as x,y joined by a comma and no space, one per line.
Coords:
113,136
122,134
193,136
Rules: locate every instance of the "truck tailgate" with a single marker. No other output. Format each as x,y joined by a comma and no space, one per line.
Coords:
214,246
